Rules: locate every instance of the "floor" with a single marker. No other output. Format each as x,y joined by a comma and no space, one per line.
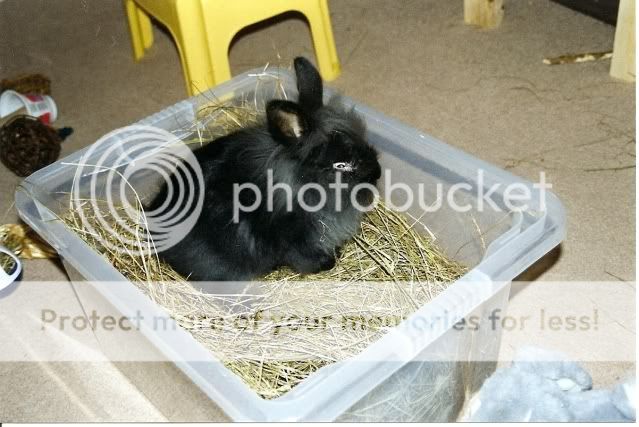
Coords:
485,92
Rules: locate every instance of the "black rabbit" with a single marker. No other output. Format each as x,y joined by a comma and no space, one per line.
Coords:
301,143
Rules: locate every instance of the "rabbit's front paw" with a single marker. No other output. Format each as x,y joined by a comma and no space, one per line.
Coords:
327,263
312,264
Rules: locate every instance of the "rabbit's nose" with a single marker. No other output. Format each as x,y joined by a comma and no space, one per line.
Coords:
371,173
378,171
375,173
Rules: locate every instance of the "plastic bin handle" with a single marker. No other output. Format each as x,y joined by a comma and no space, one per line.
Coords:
513,231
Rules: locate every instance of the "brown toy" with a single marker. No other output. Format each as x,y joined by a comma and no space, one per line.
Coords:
27,144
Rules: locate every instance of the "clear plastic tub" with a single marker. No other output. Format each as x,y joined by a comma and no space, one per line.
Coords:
412,373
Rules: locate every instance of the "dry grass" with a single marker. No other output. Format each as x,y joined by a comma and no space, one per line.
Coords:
7,263
286,326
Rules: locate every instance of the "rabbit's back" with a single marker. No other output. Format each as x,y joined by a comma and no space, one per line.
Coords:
217,247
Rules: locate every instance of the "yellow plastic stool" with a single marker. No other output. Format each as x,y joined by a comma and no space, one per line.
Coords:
203,31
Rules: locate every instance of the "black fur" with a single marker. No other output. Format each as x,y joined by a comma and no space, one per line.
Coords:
300,143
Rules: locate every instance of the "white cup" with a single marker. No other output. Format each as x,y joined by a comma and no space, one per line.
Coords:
40,106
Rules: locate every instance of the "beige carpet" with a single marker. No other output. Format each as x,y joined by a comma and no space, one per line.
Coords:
486,92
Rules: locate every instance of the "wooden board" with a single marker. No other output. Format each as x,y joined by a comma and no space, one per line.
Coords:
485,13
623,54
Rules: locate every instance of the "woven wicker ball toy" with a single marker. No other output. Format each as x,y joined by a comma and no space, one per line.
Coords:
27,144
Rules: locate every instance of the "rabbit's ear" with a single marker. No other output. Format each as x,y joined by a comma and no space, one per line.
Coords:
285,120
309,84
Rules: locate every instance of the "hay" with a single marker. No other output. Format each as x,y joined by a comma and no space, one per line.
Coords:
7,263
215,118
287,326
279,330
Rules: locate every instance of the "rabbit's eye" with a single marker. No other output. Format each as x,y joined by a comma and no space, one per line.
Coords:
337,135
343,166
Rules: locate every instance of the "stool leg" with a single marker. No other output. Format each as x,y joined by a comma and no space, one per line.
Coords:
218,51
184,20
323,41
219,34
134,29
195,64
146,30
190,36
